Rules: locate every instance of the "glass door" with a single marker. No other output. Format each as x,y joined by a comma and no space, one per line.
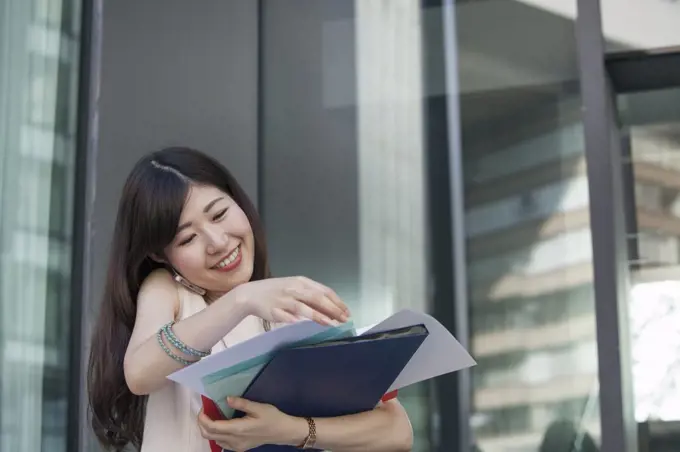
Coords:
649,126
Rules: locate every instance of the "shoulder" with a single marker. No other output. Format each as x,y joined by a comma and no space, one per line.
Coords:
158,279
158,285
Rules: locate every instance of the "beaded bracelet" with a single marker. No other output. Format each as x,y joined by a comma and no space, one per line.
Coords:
179,359
179,345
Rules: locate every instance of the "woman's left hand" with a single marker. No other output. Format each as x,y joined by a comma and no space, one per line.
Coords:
263,424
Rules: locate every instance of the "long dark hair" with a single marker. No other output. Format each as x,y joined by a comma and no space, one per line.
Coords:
148,214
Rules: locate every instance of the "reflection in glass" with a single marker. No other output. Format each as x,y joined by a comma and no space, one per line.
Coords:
651,134
343,163
527,228
38,80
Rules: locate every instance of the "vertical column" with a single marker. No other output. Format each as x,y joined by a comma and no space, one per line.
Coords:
391,157
81,436
603,157
456,405
392,182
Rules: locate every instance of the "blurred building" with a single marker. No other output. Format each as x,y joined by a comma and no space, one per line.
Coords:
510,166
39,67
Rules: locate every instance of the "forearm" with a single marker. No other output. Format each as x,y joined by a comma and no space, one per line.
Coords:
148,365
384,429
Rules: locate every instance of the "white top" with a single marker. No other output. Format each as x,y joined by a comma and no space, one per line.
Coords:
171,412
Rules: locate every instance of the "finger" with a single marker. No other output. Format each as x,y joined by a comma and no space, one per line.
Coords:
234,446
227,446
319,302
206,424
223,430
328,292
247,406
205,433
281,315
335,298
300,309
220,428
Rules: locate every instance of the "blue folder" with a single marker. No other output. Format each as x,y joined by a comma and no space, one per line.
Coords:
334,378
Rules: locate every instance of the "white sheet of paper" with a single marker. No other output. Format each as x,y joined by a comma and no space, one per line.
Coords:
191,376
439,354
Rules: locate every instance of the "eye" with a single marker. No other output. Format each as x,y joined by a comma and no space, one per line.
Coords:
187,240
220,214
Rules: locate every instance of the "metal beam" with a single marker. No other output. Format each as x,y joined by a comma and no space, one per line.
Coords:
607,220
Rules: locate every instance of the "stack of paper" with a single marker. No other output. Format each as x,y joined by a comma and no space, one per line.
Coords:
235,379
229,372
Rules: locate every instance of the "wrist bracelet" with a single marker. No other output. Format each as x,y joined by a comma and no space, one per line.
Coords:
179,359
311,437
179,345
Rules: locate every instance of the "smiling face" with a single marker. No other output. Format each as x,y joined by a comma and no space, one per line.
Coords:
214,247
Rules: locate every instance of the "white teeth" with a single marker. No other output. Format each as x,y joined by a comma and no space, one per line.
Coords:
231,258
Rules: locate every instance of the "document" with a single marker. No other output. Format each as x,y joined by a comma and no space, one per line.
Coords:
440,353
236,366
234,380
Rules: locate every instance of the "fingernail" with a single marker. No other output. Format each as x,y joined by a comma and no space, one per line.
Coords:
344,317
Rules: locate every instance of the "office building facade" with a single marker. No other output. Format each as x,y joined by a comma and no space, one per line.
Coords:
511,167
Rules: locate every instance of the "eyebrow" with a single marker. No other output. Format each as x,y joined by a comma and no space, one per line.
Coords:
206,209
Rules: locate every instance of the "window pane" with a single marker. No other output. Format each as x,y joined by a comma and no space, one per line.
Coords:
527,230
651,128
38,73
345,192
344,175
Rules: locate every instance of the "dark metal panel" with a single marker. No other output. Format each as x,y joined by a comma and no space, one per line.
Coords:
451,424
444,421
629,206
78,241
644,70
81,437
603,156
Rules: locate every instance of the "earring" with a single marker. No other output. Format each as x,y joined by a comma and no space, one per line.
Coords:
192,287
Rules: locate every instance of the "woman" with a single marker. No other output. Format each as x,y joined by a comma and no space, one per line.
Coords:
188,276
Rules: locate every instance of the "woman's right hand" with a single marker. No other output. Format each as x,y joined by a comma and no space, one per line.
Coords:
288,299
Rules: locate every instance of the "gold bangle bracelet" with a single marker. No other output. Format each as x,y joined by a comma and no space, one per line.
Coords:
311,437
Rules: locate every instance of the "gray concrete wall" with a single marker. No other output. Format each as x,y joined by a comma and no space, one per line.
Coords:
172,73
309,156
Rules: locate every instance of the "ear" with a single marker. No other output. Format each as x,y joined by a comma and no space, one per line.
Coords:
155,257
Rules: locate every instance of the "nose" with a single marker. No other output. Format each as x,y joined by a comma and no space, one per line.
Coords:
217,240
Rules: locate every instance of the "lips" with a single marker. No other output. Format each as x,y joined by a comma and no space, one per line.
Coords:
230,262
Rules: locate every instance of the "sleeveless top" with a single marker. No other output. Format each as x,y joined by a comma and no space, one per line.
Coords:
172,411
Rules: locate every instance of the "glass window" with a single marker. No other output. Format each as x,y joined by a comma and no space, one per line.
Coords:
38,73
527,229
343,182
344,189
536,204
651,126
345,170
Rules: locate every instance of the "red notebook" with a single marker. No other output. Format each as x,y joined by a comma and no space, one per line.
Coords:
211,410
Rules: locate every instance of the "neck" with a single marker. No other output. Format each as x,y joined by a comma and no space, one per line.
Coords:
211,297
